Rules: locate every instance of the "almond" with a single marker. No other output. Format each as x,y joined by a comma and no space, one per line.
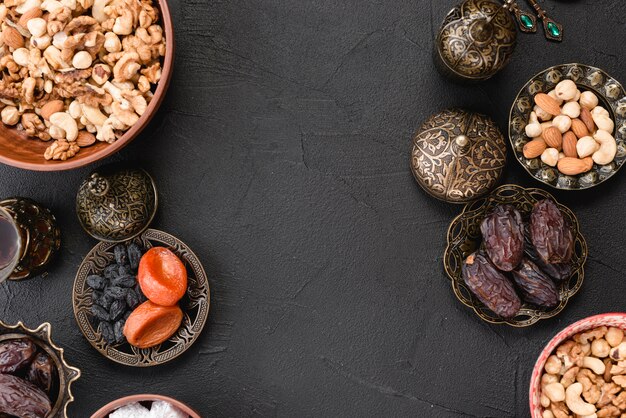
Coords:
31,14
548,104
12,37
534,148
52,107
587,119
85,139
553,137
569,144
579,128
573,166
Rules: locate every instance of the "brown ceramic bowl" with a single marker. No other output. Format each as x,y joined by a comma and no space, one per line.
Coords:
110,407
18,150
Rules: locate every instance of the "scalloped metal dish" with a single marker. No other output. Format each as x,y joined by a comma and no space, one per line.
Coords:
464,238
612,96
67,374
195,304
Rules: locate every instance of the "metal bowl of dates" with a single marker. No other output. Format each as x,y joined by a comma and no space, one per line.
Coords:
195,304
33,366
464,238
611,96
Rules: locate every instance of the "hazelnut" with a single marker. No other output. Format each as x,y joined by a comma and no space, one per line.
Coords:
10,115
37,27
101,73
82,60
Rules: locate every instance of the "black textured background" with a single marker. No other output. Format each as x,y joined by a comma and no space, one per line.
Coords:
281,154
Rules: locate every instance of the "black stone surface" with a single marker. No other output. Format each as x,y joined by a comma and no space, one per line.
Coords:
281,154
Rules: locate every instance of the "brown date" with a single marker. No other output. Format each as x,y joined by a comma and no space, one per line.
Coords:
490,285
16,354
558,272
503,237
22,399
42,372
535,286
551,234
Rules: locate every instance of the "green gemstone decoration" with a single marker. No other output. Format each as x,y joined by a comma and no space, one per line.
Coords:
526,21
554,29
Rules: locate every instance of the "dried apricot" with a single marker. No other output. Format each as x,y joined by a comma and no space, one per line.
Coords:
162,276
151,324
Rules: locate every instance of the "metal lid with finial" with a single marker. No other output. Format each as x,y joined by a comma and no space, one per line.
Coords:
116,204
476,40
458,156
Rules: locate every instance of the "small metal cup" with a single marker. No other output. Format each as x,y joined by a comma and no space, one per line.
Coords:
12,261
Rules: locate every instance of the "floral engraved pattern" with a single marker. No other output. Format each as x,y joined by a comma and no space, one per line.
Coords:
452,172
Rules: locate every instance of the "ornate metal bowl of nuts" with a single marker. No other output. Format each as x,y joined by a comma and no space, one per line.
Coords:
516,256
79,83
581,370
567,126
34,376
129,317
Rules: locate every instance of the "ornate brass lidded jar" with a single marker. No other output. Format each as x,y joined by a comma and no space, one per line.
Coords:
116,204
476,40
458,156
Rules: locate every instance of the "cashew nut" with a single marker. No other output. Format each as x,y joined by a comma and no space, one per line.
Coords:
553,365
586,146
97,10
545,401
105,133
594,364
575,403
21,56
604,123
614,336
93,115
588,100
599,110
608,148
555,392
600,348
124,23
56,132
547,414
64,121
75,110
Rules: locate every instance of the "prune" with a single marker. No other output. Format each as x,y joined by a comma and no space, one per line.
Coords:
106,330
489,285
22,399
42,372
16,354
96,282
124,281
110,271
551,233
115,292
558,272
134,255
117,310
132,300
121,255
535,286
118,331
503,236
99,312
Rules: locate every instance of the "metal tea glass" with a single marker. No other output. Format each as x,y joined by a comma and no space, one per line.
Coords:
29,238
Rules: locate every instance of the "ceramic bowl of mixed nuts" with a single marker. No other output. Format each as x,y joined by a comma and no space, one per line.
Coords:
582,371
567,126
80,78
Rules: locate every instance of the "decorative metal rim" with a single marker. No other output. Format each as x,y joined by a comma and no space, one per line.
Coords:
616,107
464,230
195,307
67,374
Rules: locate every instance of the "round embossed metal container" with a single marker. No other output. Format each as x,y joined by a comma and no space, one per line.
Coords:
115,204
464,238
147,398
476,40
458,155
612,97
66,373
195,304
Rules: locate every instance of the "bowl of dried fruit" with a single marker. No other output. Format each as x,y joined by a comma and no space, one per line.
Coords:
582,370
35,379
146,406
80,79
567,126
516,256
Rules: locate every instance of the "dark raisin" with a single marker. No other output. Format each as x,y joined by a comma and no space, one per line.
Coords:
503,237
118,330
99,312
489,285
127,314
121,256
124,281
117,310
16,354
115,292
134,255
132,300
551,233
106,330
536,287
96,282
123,270
96,295
110,271
140,295
105,301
